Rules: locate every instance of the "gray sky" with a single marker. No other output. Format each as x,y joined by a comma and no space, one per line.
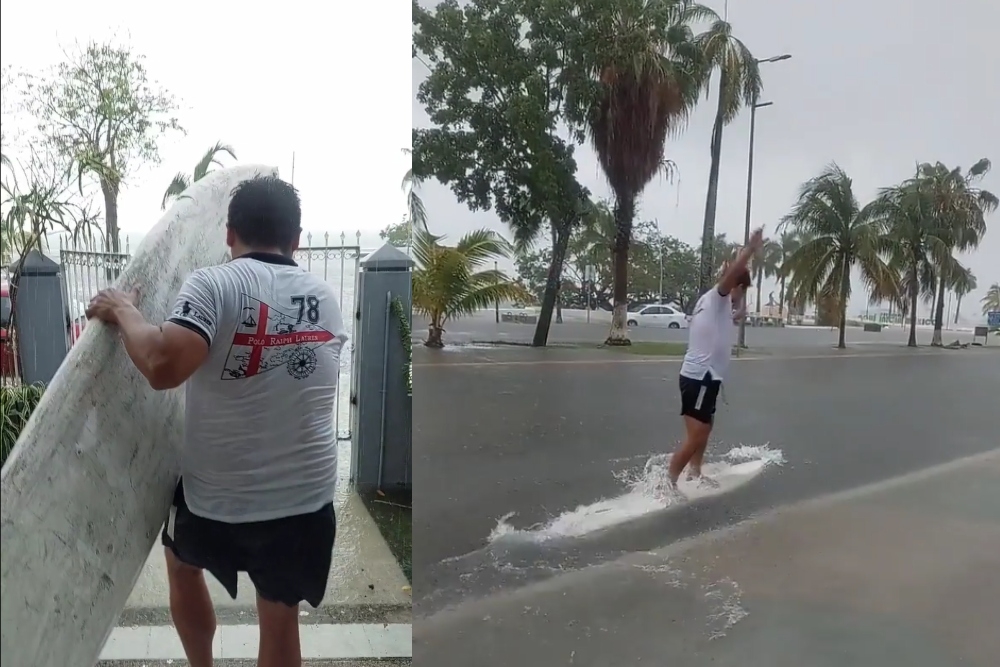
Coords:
875,85
268,80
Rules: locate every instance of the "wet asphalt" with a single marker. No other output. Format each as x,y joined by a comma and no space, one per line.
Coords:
539,432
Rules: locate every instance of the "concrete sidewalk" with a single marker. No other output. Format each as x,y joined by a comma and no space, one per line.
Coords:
365,580
904,572
365,614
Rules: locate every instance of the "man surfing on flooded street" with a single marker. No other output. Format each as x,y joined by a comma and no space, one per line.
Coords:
706,362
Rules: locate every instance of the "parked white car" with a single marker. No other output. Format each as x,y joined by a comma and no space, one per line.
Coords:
658,316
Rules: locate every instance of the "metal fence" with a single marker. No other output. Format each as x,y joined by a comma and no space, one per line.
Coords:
340,266
87,269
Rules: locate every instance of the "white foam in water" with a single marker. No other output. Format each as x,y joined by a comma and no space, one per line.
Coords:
647,492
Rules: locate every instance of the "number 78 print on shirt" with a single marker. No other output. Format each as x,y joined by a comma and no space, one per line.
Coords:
267,338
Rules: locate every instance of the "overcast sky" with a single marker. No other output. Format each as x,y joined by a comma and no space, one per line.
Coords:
875,85
329,82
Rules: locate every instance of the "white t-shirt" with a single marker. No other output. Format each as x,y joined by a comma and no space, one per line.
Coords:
259,440
710,337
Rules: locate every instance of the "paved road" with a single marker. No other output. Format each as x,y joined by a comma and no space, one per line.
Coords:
899,573
483,328
539,432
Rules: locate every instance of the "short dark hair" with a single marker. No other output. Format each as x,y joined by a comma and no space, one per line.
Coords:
745,281
265,212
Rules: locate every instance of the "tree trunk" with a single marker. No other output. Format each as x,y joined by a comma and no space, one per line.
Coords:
938,315
554,234
958,304
845,285
914,295
435,336
624,213
760,277
707,276
111,232
552,283
781,299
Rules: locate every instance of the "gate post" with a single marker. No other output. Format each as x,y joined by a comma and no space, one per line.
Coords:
39,317
381,455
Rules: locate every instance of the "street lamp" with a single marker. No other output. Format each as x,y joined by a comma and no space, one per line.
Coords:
746,228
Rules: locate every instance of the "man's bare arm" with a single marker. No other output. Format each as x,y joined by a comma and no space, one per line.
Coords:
738,266
166,355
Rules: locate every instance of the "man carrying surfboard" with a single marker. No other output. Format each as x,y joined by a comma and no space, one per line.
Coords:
257,342
710,341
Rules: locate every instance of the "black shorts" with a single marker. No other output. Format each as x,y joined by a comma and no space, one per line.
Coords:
698,397
288,559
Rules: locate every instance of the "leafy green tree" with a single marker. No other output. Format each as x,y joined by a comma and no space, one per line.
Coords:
450,282
651,72
959,209
416,213
100,112
963,284
991,300
397,234
916,243
182,181
789,240
766,264
840,236
504,78
739,86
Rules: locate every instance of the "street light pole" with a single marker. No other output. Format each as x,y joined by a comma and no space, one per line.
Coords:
742,341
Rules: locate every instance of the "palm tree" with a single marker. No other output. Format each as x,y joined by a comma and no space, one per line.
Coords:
789,241
450,282
417,215
739,86
651,73
991,300
766,263
840,236
959,210
182,181
962,284
919,246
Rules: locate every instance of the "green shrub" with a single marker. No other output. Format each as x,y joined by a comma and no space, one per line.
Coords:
16,405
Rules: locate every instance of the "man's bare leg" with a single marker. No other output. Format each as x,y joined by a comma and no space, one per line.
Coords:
696,439
192,611
279,635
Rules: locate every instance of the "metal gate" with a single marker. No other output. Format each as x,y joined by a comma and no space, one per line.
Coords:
84,271
88,269
340,266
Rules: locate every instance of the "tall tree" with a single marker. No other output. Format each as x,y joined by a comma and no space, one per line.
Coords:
415,211
963,284
100,112
739,86
766,264
917,243
450,282
504,77
651,73
840,236
182,181
991,300
959,210
789,241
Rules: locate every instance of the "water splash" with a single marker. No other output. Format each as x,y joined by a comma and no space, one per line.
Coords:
647,491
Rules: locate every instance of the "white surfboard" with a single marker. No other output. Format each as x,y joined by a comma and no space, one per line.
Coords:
89,482
647,493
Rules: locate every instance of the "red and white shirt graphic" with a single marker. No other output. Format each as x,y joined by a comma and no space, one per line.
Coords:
268,338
